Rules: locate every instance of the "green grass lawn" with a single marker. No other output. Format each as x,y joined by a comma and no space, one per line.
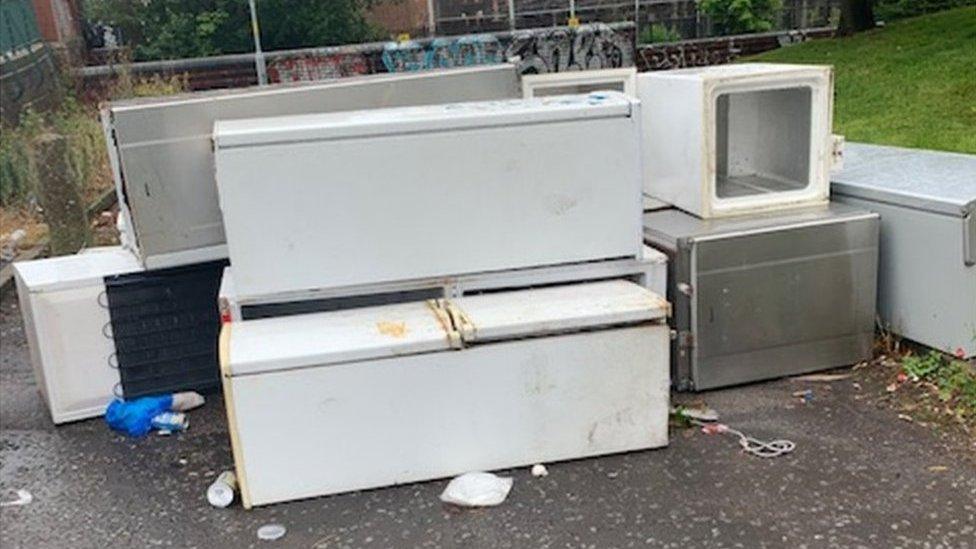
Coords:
911,83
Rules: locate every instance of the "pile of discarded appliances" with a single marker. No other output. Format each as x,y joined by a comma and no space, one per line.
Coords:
473,270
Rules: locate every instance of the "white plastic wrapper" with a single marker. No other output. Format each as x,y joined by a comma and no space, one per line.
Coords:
186,401
477,490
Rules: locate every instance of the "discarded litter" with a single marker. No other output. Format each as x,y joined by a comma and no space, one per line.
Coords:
271,532
700,414
750,445
23,498
806,396
477,490
139,416
167,422
539,470
826,378
221,492
187,400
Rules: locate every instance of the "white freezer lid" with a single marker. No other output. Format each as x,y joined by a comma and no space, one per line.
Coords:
933,181
282,343
451,116
557,309
74,271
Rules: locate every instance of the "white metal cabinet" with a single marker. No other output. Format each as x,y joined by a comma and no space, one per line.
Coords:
927,270
66,320
162,156
332,402
736,139
371,197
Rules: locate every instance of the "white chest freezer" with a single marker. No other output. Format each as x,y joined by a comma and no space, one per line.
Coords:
927,273
331,402
326,201
737,139
66,320
162,157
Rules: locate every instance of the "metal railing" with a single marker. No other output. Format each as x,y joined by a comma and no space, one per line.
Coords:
447,17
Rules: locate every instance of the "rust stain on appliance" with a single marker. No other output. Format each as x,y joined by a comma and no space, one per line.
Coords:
392,329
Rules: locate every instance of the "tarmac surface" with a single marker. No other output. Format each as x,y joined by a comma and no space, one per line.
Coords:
859,477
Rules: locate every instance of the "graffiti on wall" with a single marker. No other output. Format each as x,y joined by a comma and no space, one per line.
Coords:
719,50
443,53
678,55
558,49
595,46
317,66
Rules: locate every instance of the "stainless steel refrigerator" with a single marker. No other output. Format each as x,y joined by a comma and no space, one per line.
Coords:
764,296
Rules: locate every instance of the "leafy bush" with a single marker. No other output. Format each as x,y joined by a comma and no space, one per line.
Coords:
171,29
658,33
741,16
890,10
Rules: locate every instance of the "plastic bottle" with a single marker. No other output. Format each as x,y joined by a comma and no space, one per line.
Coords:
221,492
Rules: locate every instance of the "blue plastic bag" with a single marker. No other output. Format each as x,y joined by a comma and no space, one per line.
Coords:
134,417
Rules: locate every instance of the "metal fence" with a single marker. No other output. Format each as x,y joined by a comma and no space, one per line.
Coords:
680,16
18,28
28,71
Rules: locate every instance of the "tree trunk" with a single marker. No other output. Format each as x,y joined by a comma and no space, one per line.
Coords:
64,209
855,16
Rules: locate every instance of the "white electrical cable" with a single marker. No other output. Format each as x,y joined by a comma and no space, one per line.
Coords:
750,445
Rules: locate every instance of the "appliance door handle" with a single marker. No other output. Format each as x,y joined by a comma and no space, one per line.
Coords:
969,239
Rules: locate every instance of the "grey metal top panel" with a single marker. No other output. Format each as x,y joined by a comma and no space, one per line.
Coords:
926,180
665,227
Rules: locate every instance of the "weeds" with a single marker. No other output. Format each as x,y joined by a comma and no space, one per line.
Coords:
953,379
87,157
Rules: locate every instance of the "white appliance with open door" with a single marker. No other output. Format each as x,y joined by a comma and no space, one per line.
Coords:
331,402
737,139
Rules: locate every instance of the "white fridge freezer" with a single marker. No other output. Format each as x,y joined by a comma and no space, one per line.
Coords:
927,270
327,201
162,158
67,324
332,402
737,139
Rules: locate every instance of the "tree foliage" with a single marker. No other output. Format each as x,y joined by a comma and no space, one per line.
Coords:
171,29
741,16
